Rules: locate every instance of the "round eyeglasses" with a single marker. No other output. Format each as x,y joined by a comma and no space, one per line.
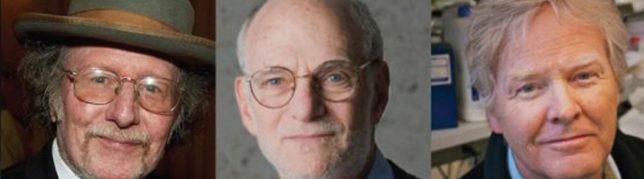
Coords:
98,86
335,81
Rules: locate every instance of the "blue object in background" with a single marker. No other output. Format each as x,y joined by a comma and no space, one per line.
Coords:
444,106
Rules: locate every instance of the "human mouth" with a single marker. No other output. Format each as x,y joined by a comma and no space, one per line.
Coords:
568,142
119,144
310,136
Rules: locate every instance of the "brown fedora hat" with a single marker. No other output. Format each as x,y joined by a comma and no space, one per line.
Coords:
159,25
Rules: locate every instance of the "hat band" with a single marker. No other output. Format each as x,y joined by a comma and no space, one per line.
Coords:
124,17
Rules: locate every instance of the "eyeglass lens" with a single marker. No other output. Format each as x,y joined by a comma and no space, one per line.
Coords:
100,87
334,81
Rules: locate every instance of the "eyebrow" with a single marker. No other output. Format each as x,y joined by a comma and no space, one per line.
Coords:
587,61
582,62
530,73
293,67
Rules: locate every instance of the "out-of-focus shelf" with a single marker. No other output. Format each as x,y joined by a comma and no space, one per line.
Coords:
466,132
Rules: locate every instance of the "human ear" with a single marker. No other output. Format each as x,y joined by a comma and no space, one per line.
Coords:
493,120
53,114
244,109
381,91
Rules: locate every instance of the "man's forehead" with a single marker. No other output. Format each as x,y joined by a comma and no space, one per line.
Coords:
281,15
285,29
123,60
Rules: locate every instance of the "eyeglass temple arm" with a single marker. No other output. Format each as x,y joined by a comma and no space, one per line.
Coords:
68,72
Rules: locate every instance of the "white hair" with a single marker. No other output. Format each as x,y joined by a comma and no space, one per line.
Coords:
496,21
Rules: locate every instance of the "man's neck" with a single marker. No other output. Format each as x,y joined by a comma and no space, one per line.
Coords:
62,169
366,169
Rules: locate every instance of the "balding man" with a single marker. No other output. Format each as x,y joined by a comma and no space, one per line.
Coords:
313,88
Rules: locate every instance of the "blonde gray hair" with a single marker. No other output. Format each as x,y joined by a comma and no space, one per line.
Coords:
495,22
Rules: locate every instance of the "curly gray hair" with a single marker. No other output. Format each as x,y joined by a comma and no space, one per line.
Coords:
496,21
42,77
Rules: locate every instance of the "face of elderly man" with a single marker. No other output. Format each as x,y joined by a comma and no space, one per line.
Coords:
120,139
556,98
310,136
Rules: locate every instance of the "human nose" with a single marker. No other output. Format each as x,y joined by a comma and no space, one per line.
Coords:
306,105
122,108
564,104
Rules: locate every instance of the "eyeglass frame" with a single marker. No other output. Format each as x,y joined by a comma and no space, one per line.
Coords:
71,74
358,70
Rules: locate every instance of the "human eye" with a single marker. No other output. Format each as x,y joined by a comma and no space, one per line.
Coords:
153,85
99,79
528,90
150,88
275,78
336,78
585,77
274,81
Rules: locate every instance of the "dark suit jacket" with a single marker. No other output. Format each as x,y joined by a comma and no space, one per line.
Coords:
41,166
628,153
400,173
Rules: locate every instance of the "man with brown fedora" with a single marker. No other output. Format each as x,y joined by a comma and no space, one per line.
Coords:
116,82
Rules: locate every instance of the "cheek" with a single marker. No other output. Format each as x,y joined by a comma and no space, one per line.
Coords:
158,126
267,120
600,105
522,121
601,101
344,113
78,114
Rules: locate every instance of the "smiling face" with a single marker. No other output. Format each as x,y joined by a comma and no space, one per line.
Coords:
556,99
309,136
119,139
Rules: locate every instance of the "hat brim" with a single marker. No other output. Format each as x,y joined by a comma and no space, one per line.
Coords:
34,26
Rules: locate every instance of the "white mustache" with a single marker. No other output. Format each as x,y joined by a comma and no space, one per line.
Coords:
310,128
126,135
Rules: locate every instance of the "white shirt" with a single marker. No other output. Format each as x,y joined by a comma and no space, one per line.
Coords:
62,169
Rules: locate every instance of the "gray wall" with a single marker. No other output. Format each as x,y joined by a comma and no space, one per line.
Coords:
403,134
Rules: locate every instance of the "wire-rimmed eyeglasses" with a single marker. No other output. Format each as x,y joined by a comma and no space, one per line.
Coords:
97,86
335,81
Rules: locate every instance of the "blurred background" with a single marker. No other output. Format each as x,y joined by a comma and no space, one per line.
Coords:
403,132
21,139
460,132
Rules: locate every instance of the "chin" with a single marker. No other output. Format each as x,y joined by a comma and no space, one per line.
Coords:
120,175
575,169
102,165
304,167
573,174
121,171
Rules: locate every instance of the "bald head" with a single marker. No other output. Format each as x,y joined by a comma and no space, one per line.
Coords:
345,23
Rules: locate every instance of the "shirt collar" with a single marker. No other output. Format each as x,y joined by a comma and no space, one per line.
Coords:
62,169
514,171
380,168
512,166
613,167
